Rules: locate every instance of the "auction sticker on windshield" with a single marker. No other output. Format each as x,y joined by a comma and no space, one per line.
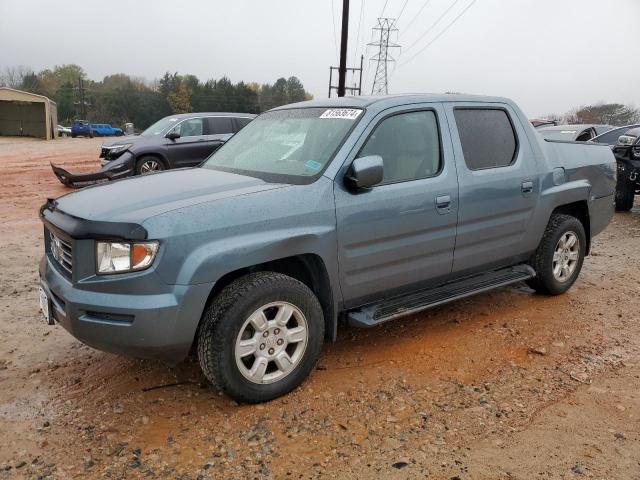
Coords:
346,113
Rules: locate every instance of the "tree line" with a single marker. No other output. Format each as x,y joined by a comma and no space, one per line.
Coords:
600,114
121,98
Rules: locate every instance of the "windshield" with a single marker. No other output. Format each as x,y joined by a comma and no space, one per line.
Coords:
293,143
160,126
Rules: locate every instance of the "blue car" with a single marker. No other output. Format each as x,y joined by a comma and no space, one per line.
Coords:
81,128
106,130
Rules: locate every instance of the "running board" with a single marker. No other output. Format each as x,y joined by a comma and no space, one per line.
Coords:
374,314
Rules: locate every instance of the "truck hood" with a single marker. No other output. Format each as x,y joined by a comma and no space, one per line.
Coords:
139,198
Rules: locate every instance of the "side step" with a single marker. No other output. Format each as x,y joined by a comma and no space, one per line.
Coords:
374,314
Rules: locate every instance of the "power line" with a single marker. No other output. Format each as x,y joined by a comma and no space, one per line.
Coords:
432,25
440,34
402,10
384,7
335,32
415,17
355,50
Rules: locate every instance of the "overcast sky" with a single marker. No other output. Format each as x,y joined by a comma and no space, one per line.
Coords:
548,55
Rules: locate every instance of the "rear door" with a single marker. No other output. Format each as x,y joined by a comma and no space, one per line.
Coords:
192,147
219,130
499,186
399,235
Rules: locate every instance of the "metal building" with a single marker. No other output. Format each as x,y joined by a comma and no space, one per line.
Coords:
27,114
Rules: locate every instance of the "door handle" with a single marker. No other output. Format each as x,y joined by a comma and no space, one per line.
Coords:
443,202
527,187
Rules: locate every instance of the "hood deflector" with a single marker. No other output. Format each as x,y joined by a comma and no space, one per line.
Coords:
80,228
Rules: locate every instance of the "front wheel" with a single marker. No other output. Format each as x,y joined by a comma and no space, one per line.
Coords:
147,165
625,192
559,257
261,337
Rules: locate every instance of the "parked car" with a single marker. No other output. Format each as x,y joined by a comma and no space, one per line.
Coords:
627,152
81,128
177,141
574,133
611,137
362,209
64,131
106,130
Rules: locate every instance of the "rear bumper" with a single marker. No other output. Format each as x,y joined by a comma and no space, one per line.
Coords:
122,167
159,325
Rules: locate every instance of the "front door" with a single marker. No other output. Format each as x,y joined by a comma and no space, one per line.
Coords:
498,186
399,235
192,147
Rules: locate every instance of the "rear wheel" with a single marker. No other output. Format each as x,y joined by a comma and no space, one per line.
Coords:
625,192
559,257
147,165
261,337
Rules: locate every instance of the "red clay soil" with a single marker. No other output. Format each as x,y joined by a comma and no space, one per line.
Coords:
508,384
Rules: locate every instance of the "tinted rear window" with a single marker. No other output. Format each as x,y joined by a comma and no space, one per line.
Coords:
242,122
487,137
220,125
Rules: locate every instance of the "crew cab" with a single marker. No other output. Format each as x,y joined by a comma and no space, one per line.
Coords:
342,211
81,128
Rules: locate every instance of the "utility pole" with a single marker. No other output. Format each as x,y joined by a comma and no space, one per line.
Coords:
383,31
342,72
357,83
343,69
82,102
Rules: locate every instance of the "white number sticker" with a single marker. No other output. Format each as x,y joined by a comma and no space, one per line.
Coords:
348,113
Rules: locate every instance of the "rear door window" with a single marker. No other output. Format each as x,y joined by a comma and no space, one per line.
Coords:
487,137
220,125
242,122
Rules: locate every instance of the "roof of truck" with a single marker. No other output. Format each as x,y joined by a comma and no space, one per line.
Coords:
391,100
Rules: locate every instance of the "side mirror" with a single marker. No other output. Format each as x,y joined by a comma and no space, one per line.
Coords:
172,135
365,172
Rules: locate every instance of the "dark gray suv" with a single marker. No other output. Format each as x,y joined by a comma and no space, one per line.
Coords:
183,140
177,141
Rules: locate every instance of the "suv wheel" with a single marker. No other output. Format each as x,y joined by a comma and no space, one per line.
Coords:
559,257
148,165
625,191
261,337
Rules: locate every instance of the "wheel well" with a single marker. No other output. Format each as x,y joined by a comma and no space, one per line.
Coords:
308,269
579,210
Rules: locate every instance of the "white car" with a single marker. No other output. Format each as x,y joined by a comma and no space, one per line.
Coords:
64,131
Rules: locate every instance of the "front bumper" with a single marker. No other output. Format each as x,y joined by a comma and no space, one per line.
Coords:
132,314
122,167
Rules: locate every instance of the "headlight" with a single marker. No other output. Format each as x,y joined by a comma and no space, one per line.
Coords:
121,257
626,140
119,148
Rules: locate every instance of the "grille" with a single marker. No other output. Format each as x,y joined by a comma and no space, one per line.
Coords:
62,252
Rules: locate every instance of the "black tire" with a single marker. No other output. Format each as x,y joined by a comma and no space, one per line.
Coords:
73,135
140,165
625,192
545,281
222,323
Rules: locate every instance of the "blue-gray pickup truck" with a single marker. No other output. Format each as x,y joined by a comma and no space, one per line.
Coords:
323,213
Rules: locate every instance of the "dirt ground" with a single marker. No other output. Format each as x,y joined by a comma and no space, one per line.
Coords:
505,385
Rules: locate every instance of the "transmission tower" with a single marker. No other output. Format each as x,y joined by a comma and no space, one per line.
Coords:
382,33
